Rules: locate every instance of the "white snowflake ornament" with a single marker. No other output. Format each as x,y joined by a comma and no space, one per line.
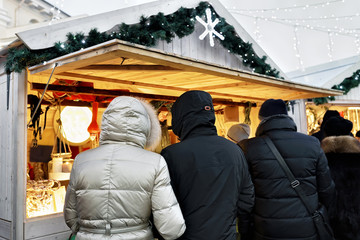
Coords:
209,27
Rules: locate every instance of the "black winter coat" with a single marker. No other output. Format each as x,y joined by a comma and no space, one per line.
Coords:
209,174
343,154
279,212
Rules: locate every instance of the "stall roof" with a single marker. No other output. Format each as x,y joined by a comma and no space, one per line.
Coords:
45,37
120,65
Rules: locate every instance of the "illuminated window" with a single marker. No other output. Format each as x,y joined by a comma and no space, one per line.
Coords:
75,121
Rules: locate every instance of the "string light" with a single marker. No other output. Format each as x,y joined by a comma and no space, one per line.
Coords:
296,48
311,18
327,23
320,28
330,46
257,30
55,10
289,9
357,43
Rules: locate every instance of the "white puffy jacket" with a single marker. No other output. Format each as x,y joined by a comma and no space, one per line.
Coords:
114,188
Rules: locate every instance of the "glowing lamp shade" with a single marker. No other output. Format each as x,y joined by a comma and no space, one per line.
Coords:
93,128
75,121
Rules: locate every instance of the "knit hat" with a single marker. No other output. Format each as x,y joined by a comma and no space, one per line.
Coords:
272,107
238,132
337,126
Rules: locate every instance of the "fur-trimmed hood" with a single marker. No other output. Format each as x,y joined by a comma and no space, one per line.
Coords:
131,121
340,144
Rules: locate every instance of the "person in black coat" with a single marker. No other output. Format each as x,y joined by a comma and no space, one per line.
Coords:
279,213
209,174
343,154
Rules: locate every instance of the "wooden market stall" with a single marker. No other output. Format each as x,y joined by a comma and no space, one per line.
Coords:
98,74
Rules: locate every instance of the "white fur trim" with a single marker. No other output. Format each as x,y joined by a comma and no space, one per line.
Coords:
154,138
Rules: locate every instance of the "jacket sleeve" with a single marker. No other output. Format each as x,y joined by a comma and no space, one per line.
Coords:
325,184
168,218
246,201
70,211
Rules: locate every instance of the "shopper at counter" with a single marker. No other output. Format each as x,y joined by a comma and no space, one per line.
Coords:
208,173
114,188
279,212
238,132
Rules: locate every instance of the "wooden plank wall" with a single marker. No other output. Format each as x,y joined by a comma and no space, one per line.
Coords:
298,114
18,151
6,161
191,46
5,229
47,227
12,155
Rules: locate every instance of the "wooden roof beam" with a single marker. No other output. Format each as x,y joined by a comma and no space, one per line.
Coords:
228,85
110,67
149,85
116,93
115,80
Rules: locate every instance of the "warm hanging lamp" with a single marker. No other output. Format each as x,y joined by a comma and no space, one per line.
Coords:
93,128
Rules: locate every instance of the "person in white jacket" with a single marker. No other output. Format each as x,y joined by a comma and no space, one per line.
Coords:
115,188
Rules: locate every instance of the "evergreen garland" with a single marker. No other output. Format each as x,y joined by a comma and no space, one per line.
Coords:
346,85
147,32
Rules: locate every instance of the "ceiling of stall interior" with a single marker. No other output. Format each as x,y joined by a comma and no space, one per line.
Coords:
122,67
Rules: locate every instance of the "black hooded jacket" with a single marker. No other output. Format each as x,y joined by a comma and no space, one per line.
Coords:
208,173
279,212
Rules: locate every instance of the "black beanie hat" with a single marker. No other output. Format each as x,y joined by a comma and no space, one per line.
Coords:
328,114
272,107
337,126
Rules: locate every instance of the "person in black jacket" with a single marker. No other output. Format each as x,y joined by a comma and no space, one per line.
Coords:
279,213
209,174
343,154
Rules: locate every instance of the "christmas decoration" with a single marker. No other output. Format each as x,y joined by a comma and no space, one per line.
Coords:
209,27
247,111
346,85
147,32
349,82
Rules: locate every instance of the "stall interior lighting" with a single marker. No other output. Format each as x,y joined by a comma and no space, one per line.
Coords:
75,121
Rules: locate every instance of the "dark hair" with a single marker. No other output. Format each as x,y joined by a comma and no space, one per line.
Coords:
358,134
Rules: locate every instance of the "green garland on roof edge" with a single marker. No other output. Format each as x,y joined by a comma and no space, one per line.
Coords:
346,85
147,32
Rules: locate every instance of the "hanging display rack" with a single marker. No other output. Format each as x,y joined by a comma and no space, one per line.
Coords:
61,148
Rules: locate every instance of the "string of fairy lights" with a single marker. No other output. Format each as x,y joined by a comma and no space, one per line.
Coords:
56,10
328,23
289,9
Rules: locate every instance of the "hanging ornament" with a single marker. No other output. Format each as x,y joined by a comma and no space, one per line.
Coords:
209,27
93,128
